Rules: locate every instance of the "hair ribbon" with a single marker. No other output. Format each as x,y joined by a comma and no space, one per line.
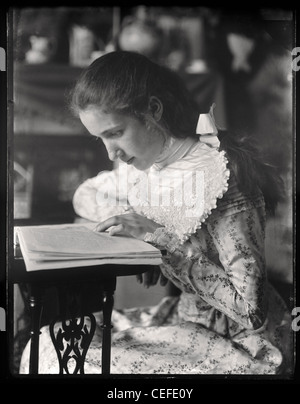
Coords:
207,129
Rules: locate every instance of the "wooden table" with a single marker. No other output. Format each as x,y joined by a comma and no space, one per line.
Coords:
73,331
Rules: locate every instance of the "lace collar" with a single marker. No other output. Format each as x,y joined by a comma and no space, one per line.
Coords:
174,149
182,188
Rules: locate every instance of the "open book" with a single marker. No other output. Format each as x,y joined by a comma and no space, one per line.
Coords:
76,245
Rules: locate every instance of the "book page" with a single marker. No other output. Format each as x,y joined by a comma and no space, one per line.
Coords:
48,265
68,246
79,240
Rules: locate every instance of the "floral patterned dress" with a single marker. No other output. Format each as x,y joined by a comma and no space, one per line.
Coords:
228,319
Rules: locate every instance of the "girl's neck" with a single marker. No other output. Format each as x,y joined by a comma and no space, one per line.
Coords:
173,149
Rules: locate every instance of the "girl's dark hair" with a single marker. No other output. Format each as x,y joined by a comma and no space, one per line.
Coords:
123,82
253,168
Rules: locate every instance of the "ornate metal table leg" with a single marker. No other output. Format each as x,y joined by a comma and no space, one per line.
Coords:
108,302
36,307
73,338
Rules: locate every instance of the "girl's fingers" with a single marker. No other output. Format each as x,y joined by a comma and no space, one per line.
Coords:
151,277
116,229
112,221
155,276
163,280
148,278
139,278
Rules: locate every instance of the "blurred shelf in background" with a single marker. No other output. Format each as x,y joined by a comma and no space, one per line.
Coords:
41,99
53,152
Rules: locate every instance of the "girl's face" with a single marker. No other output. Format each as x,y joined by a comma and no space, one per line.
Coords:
124,137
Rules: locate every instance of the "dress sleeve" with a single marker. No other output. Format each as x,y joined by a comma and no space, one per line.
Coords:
100,197
235,283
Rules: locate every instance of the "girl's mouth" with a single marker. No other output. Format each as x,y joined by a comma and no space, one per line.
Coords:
130,160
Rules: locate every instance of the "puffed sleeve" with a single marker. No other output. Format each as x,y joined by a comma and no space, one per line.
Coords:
233,280
100,197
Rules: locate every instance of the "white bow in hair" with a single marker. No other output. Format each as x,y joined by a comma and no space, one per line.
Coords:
207,129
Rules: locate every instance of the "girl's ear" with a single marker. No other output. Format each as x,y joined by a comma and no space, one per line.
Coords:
155,108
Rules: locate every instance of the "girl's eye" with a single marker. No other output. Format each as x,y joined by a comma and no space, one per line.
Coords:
110,135
117,133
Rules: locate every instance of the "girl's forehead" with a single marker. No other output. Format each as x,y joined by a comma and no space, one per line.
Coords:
95,113
96,120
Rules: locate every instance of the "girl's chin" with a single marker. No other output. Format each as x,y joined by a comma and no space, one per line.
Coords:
141,165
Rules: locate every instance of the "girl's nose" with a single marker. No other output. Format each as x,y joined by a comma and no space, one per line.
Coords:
114,154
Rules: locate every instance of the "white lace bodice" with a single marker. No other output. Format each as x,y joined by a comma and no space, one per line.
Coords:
179,191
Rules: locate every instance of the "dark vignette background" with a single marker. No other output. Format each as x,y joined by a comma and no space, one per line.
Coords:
3,195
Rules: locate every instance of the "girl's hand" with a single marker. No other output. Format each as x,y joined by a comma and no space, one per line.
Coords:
136,226
151,277
131,224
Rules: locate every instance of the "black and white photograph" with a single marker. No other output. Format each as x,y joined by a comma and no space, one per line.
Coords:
150,191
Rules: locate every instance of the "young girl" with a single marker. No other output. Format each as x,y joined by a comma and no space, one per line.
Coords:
201,196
